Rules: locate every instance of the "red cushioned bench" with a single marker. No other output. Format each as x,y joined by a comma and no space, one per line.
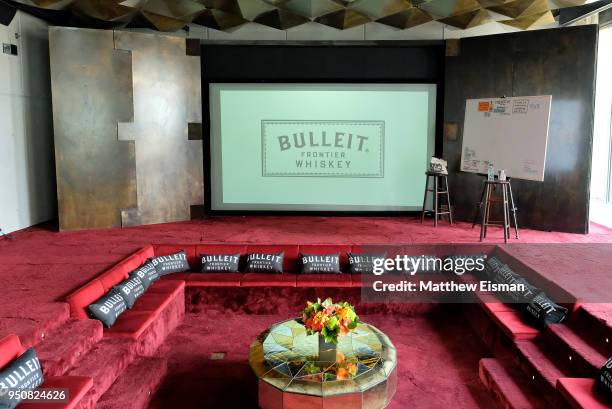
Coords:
153,316
581,393
78,386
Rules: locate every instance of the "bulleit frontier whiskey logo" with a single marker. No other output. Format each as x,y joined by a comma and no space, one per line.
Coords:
334,148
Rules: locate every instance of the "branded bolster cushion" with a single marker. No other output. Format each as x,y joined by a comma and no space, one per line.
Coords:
147,273
171,263
264,262
505,275
108,308
131,290
604,380
492,266
320,263
24,373
220,262
545,311
363,263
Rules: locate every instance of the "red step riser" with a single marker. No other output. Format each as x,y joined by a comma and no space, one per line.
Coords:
136,385
508,392
57,356
592,330
578,366
547,388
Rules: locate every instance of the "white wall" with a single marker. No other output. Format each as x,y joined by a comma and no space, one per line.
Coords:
601,209
372,31
27,175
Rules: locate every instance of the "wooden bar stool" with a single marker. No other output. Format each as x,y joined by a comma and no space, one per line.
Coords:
437,206
484,208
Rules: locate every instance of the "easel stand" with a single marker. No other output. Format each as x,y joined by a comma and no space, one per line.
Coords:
483,209
437,206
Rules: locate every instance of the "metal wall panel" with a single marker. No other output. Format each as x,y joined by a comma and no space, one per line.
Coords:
91,84
122,103
167,97
559,62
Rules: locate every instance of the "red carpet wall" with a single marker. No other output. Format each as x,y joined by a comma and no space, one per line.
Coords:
127,115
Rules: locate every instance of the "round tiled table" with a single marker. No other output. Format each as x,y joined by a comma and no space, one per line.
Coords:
291,376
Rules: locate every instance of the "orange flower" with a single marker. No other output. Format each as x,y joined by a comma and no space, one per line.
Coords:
340,357
341,373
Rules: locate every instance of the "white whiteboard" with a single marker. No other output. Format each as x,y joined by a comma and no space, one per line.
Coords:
511,133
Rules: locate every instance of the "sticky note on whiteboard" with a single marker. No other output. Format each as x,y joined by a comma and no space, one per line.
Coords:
484,106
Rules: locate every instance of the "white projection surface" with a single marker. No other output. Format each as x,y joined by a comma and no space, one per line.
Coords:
320,147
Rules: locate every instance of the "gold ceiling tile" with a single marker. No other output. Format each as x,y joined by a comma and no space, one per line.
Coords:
133,3
49,4
163,23
343,19
104,10
312,8
559,4
376,9
521,8
530,21
219,20
448,8
179,9
467,20
276,2
408,18
491,3
280,19
249,9
228,6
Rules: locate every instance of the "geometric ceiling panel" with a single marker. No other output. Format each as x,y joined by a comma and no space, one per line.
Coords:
219,20
280,19
249,9
163,23
104,10
467,20
172,15
376,9
518,8
343,19
447,8
180,9
408,18
530,21
312,8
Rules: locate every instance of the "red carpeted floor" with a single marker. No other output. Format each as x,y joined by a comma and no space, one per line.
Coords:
39,266
438,366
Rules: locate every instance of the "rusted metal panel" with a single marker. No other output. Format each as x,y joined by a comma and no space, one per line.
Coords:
92,92
123,103
167,97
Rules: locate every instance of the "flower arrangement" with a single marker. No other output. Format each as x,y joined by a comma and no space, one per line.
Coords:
328,319
343,369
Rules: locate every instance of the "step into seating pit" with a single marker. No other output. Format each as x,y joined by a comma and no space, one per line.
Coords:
77,386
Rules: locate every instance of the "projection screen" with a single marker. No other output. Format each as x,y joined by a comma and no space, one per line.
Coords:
320,147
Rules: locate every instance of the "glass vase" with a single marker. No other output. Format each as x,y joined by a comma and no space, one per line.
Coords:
327,351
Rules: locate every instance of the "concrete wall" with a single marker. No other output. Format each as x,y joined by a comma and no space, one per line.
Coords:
27,175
